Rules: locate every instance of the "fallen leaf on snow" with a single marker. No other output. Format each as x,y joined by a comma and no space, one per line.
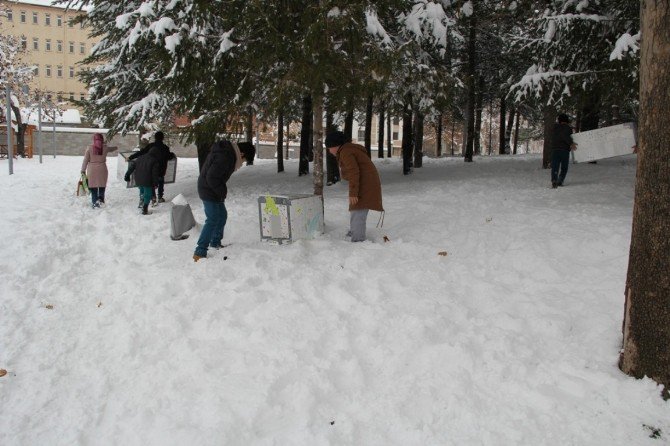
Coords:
3,372
49,307
99,304
442,253
386,239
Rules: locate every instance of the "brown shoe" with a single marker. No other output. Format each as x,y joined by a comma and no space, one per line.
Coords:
197,257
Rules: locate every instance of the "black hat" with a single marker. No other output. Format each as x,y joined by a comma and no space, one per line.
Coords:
335,139
159,136
564,118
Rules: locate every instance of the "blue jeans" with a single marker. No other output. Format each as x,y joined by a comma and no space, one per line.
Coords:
212,232
559,157
145,194
97,194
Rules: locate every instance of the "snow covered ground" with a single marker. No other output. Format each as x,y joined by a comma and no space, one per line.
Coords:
112,335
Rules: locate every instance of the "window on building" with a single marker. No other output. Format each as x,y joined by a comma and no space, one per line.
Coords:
59,46
23,17
47,45
59,71
36,44
361,133
24,42
396,121
59,20
34,18
10,16
36,70
72,96
71,71
71,45
82,97
47,19
59,98
82,48
69,23
395,136
47,70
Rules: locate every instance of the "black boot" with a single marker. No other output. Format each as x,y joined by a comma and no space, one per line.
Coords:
145,209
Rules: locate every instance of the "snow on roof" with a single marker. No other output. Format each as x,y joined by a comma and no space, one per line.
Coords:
45,3
69,116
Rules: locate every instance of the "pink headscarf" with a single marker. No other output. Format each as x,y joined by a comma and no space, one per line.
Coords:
97,144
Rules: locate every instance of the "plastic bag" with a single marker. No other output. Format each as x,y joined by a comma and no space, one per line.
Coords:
82,185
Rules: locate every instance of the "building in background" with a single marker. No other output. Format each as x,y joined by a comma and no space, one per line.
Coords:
54,46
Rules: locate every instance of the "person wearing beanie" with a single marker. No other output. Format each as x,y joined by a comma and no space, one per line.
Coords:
562,144
163,154
224,158
365,189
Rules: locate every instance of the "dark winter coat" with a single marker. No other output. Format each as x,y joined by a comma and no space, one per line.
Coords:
146,168
215,172
561,137
162,154
359,170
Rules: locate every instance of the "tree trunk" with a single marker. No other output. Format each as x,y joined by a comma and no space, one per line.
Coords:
380,132
305,133
389,136
516,132
407,139
280,142
508,129
503,116
472,71
549,114
646,324
332,169
349,125
368,127
478,115
490,126
438,138
20,133
250,126
453,130
318,144
288,136
418,139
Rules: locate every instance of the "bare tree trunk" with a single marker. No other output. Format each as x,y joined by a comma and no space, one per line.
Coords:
549,113
418,139
453,130
438,139
349,125
368,127
389,135
478,115
490,126
250,126
288,136
503,116
516,132
20,133
318,145
646,324
509,128
407,139
305,135
472,71
280,142
332,169
380,132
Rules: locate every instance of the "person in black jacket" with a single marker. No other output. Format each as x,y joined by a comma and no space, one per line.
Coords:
147,173
222,161
562,144
163,155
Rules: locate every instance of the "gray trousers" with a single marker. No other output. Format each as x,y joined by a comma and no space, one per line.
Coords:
357,222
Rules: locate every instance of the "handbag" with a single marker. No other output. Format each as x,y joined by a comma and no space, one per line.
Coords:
82,185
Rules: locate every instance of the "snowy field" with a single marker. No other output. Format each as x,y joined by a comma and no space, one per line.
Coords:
112,335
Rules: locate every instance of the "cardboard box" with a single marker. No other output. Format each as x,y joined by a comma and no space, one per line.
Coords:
289,217
605,142
122,164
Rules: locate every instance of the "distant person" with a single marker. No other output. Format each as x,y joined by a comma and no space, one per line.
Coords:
163,155
147,171
365,188
95,168
224,158
562,144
